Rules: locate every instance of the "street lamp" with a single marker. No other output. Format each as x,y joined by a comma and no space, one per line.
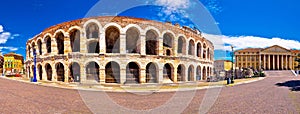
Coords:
232,55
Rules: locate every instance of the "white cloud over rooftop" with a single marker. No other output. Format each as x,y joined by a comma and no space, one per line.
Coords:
241,42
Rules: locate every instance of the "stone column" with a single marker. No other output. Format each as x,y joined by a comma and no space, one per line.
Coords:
259,61
237,61
277,62
67,45
290,62
175,47
282,62
175,75
44,73
82,73
264,62
122,75
102,75
143,45
273,63
143,75
67,73
160,46
122,43
102,43
286,62
269,59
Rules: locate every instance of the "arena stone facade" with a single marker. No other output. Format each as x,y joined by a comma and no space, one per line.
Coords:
119,50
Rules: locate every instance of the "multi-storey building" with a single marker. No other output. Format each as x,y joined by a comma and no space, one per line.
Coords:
13,63
270,58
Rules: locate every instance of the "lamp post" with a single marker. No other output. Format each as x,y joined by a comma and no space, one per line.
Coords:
232,73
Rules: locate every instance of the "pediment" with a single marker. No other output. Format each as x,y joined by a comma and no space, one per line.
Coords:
275,49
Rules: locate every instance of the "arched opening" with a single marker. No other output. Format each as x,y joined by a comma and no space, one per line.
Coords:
49,72
168,73
180,73
93,47
92,31
75,40
74,72
208,53
60,43
198,73
208,71
191,47
48,44
39,43
60,72
168,52
204,51
40,72
92,71
181,45
168,42
112,35
151,73
112,72
204,74
191,73
133,41
132,73
198,50
151,43
33,48
29,51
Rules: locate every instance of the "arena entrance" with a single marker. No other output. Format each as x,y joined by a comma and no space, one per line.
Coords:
74,72
132,73
168,73
151,73
180,73
60,71
112,72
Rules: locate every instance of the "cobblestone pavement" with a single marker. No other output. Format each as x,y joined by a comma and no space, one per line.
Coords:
263,96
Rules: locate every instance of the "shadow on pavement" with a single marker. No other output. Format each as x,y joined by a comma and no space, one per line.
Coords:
294,85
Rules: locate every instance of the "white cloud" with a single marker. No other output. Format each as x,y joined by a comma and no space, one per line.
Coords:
172,6
241,42
4,36
1,28
9,48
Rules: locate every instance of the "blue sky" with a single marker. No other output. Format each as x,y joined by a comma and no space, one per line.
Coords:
242,23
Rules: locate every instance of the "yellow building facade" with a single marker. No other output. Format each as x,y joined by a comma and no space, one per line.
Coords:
270,58
13,63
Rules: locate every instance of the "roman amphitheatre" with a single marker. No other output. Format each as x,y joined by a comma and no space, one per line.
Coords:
119,50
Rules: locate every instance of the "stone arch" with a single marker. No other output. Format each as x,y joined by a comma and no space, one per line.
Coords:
198,73
112,72
93,46
168,43
133,44
92,71
204,77
47,40
33,46
204,51
180,72
39,44
168,73
152,42
60,71
60,37
74,72
181,45
48,69
75,40
92,31
132,73
151,73
92,28
40,71
191,73
199,49
112,39
191,47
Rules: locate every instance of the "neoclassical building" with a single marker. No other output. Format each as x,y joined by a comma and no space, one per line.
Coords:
271,58
119,50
